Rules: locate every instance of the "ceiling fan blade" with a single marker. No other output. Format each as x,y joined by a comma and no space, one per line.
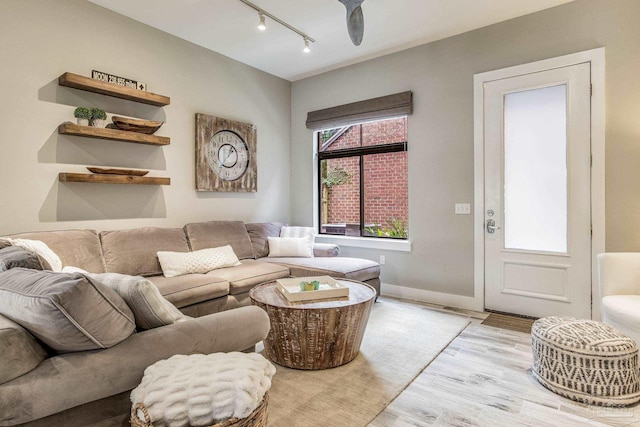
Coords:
355,20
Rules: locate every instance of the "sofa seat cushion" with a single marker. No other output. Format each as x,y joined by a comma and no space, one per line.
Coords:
78,248
134,252
19,350
623,313
182,291
66,311
251,273
213,234
350,268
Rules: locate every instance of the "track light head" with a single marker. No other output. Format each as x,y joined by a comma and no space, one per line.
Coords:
262,26
306,46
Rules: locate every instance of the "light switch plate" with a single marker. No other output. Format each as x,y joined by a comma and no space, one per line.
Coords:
463,209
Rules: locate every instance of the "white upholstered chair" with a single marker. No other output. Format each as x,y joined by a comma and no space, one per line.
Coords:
619,278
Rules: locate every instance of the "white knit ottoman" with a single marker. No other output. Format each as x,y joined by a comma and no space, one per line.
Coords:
586,361
221,389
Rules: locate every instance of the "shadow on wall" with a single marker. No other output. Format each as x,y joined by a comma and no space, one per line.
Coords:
71,201
77,150
52,92
89,201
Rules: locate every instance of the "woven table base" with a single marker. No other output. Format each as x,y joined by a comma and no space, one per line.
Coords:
586,361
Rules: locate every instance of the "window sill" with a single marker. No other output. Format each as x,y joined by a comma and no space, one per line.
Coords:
366,242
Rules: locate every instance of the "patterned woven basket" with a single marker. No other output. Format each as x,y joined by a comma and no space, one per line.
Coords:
258,418
586,361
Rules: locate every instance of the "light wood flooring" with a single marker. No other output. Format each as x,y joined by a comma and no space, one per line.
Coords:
483,378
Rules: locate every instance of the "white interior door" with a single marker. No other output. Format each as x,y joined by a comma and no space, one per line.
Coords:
537,206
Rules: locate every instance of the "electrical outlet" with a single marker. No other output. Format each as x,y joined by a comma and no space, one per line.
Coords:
463,209
382,259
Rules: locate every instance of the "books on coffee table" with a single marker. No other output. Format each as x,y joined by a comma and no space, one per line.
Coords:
328,287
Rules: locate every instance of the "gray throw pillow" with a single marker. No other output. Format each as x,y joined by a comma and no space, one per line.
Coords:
149,307
19,351
68,312
15,256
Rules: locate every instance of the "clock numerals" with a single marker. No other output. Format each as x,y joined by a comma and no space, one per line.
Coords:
227,155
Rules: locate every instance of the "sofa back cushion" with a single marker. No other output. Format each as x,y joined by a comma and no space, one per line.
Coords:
19,350
134,252
66,311
214,234
258,233
78,248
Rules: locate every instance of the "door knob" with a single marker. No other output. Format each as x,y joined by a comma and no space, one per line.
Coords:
491,226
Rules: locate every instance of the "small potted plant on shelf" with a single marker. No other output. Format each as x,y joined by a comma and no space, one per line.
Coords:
83,115
98,117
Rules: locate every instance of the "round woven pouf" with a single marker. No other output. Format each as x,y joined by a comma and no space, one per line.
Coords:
586,361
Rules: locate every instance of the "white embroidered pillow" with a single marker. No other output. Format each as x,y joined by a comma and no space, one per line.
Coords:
202,261
287,231
291,246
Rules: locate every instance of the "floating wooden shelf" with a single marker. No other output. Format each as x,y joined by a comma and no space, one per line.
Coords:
112,134
92,85
98,178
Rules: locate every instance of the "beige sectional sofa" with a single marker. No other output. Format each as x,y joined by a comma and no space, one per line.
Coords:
85,387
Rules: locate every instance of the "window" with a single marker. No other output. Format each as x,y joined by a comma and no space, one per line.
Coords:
363,179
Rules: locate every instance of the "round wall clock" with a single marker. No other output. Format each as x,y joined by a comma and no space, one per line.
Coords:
228,155
225,155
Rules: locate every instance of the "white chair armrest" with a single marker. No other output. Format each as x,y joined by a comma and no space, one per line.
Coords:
619,273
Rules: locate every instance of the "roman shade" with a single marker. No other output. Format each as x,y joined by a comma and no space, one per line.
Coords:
370,109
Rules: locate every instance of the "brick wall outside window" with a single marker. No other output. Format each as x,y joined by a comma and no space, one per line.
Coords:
385,176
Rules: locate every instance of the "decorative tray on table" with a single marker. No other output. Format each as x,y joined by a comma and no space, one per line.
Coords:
311,288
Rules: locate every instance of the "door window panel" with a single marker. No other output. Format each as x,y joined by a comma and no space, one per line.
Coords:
535,169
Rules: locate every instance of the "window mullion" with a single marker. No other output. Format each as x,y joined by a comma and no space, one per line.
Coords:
361,195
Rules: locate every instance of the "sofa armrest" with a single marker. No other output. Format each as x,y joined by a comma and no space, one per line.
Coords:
73,379
325,250
619,273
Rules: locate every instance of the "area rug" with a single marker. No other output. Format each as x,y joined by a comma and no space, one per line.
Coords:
400,341
513,323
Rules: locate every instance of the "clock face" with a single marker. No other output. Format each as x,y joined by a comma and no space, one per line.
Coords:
227,155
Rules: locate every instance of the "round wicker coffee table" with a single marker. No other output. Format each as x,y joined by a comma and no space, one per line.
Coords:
316,334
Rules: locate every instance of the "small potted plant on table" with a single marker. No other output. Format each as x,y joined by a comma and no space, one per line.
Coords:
98,118
83,115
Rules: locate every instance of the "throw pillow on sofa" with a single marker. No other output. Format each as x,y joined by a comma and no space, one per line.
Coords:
149,307
296,231
291,246
203,261
15,256
19,351
68,312
42,250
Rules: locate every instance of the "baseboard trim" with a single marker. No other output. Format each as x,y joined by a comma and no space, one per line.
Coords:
449,300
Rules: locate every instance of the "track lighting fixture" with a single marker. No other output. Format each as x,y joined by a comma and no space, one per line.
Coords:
262,26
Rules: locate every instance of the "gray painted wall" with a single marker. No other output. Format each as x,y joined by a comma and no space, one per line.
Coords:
40,40
440,74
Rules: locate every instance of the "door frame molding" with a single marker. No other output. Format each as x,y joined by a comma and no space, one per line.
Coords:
597,59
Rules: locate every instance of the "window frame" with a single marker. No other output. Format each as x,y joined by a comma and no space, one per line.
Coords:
359,152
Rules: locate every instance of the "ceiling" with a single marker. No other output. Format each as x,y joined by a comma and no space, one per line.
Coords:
230,27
